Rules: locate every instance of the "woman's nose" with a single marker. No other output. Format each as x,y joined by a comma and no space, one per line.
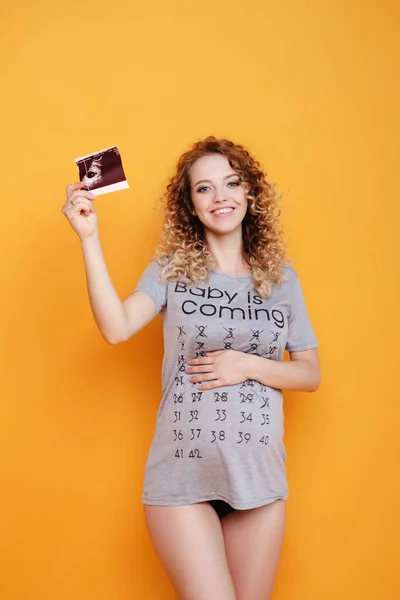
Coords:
220,196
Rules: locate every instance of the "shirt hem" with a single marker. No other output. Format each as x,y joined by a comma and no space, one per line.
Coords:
233,503
301,347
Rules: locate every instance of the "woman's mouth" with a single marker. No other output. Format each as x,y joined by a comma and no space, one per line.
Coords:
222,212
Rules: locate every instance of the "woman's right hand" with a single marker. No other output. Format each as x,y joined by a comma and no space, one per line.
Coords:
79,210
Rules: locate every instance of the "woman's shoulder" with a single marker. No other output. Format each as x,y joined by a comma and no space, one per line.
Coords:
156,265
289,273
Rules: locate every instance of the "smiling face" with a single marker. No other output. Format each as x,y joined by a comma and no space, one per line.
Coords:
218,195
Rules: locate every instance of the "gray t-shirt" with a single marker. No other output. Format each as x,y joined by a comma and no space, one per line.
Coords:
225,443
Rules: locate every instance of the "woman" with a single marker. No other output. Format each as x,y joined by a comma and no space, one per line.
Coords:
215,485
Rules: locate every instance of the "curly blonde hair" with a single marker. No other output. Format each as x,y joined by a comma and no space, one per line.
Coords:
184,252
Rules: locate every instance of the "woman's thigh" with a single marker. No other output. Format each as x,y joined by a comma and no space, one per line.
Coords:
189,542
253,542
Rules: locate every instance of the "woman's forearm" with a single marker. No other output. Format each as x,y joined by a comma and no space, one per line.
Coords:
299,375
106,305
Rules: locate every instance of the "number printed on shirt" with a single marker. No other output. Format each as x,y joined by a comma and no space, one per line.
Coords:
195,453
265,419
264,440
221,414
194,415
246,398
218,434
265,402
177,415
194,433
179,453
244,437
246,417
220,396
178,435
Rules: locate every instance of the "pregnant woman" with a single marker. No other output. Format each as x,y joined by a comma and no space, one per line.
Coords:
215,486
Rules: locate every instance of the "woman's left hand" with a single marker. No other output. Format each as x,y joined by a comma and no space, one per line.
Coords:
219,368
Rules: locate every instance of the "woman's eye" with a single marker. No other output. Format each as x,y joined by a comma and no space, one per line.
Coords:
205,187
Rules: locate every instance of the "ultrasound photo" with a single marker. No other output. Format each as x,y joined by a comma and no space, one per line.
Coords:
102,172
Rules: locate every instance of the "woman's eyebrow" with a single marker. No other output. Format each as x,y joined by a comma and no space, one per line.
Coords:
209,180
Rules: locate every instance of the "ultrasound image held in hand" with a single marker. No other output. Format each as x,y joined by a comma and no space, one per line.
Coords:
102,172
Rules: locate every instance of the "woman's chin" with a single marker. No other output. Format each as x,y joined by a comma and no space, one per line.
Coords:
223,228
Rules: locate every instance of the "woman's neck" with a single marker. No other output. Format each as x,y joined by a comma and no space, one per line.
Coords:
227,252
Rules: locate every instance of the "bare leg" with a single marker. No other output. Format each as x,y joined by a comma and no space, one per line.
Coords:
190,544
253,541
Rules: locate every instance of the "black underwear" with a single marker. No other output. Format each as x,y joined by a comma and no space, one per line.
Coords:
221,507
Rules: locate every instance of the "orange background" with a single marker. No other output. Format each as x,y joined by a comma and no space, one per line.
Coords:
312,88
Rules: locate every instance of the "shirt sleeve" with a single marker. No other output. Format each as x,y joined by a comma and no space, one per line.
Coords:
151,284
301,335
